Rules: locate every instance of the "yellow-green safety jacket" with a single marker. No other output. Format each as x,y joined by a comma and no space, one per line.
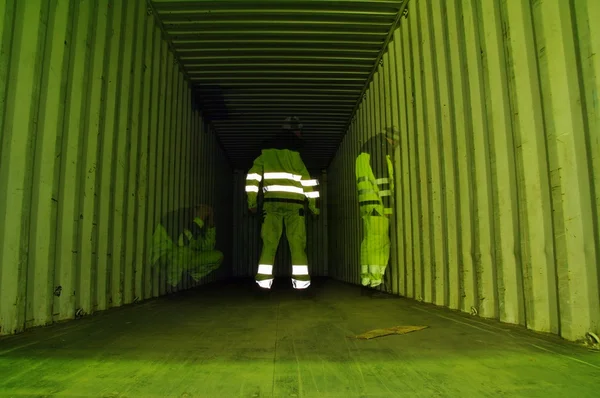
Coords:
375,175
284,178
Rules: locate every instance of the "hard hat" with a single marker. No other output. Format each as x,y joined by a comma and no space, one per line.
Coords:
292,123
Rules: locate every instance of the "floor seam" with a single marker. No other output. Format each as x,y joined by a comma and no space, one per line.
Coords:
275,354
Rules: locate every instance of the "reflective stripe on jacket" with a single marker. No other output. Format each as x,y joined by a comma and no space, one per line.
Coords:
284,177
374,176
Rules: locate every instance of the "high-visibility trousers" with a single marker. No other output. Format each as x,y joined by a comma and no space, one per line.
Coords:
197,264
276,214
175,261
375,247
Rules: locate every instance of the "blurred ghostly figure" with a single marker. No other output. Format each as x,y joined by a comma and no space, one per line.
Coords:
375,184
184,243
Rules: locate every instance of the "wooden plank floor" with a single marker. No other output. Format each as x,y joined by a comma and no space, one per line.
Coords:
224,341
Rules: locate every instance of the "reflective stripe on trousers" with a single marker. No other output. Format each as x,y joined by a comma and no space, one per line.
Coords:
300,284
300,276
264,276
291,215
265,283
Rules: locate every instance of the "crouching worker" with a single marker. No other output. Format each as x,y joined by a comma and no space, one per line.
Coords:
184,244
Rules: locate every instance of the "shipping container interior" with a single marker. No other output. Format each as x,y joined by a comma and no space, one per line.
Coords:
126,125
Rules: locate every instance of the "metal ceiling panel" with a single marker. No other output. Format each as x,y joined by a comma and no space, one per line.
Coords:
255,62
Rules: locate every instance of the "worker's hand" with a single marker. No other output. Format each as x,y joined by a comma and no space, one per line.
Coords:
315,212
252,210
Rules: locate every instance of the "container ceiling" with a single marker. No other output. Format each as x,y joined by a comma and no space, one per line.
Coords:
255,62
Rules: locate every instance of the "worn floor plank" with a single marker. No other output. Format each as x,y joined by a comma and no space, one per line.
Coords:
225,341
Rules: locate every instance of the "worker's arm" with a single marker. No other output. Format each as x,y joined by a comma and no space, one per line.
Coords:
205,242
379,151
210,239
311,188
253,180
390,167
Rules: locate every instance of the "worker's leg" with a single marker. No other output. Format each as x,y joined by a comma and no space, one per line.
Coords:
365,278
295,229
175,261
271,233
376,246
173,270
163,256
205,262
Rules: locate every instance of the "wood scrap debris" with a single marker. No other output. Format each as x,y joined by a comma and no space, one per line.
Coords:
388,331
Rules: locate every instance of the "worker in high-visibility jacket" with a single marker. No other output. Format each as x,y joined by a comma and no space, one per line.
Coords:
184,243
286,185
375,184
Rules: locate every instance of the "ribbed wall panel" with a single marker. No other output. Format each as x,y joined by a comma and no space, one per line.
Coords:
98,142
497,171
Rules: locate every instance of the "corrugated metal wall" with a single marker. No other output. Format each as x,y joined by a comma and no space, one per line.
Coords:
99,142
248,243
499,165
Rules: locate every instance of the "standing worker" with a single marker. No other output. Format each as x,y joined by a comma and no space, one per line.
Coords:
375,184
286,186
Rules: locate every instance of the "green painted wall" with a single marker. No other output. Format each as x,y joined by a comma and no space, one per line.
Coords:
98,143
498,170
